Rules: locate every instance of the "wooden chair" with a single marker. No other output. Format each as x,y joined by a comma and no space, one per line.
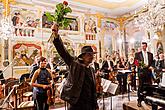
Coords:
23,97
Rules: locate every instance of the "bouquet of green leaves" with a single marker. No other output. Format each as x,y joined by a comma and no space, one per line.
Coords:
62,9
140,64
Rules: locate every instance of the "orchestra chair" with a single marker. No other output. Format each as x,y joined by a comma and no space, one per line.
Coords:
8,92
2,80
23,97
24,77
9,83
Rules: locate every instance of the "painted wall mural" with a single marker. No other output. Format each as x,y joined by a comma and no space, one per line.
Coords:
111,34
159,47
25,21
24,54
90,25
74,24
108,25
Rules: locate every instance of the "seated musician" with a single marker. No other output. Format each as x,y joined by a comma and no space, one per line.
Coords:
97,72
107,67
41,80
122,78
132,77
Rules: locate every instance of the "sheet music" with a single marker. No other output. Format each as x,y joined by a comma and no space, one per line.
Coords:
108,86
124,71
105,84
112,88
163,80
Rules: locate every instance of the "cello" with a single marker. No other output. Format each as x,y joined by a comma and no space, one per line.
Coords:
99,88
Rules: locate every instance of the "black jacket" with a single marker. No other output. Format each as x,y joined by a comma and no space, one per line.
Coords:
105,66
76,78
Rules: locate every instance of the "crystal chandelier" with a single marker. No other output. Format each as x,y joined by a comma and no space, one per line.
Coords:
152,17
6,28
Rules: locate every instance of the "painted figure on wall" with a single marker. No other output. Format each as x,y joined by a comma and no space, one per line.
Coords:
159,47
24,54
90,25
73,25
24,22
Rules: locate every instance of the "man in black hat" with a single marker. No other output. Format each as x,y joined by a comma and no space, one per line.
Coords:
80,89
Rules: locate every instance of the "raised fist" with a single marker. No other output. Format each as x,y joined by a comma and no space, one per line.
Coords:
55,28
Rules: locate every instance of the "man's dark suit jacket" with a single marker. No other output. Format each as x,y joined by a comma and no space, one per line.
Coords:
105,66
146,76
139,57
96,67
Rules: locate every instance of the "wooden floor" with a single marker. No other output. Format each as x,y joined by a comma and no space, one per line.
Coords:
132,105
119,102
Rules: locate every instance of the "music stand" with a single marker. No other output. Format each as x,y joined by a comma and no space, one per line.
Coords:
125,72
108,87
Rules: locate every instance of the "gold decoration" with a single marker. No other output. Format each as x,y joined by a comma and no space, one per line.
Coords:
6,4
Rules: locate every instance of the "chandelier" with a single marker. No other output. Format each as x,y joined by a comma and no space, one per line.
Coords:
152,17
6,28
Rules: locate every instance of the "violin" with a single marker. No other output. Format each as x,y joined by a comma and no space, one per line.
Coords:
112,76
51,94
99,88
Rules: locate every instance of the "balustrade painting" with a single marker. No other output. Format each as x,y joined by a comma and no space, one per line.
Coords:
25,53
73,26
25,21
90,25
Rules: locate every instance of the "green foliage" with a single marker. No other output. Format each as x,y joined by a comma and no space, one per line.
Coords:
142,65
60,15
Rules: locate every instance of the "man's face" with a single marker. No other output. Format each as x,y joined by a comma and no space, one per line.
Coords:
144,47
88,58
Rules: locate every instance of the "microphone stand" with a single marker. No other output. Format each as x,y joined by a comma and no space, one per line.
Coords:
103,101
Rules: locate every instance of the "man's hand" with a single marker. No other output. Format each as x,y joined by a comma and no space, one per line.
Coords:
54,34
45,86
55,29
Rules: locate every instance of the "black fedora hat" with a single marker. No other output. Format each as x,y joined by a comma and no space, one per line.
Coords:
87,49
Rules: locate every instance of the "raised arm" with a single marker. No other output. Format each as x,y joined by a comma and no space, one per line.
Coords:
60,46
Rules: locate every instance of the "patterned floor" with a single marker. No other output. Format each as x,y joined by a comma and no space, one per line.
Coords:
117,102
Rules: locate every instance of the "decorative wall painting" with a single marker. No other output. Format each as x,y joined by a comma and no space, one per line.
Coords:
25,21
24,54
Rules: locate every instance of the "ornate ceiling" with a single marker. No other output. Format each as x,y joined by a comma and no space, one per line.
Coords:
112,8
109,7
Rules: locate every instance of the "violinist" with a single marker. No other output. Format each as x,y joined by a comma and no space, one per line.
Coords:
41,80
96,68
95,65
107,67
